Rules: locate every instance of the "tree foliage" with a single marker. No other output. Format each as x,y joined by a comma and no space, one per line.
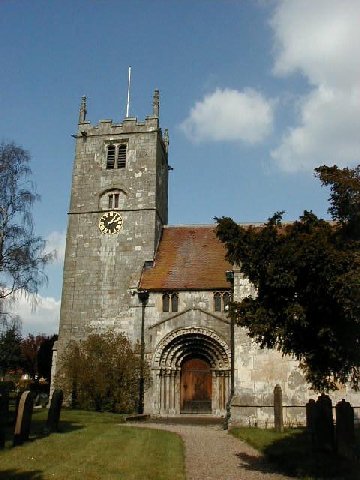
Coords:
10,344
44,357
307,276
30,348
22,257
102,373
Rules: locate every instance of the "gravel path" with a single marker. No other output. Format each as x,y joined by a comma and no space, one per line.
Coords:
213,454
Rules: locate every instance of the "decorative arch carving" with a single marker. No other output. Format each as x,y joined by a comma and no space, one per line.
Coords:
189,342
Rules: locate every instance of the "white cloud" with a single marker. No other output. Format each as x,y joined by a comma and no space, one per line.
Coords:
56,241
230,115
43,317
320,40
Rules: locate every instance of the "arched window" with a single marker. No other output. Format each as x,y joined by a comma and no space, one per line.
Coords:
170,302
226,300
174,302
221,301
165,302
217,302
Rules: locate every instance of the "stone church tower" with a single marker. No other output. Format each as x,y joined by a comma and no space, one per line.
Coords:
119,203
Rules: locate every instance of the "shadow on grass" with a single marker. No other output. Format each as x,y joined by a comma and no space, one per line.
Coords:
294,456
37,432
16,475
256,463
38,428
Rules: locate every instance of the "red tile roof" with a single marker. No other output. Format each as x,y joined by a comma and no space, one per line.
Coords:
188,258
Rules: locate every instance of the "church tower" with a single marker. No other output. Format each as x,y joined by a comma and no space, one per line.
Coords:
118,206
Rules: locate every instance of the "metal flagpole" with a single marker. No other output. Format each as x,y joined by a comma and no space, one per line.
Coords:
128,94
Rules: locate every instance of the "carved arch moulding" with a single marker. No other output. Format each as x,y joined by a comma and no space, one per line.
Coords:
188,342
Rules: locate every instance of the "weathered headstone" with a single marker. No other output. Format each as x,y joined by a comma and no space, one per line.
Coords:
278,409
17,402
4,415
52,423
310,416
23,418
345,429
324,424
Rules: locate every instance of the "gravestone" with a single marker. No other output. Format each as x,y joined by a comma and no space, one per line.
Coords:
323,424
17,402
278,410
310,416
23,418
52,423
4,415
345,430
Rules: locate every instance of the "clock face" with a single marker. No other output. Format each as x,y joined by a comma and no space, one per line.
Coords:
111,222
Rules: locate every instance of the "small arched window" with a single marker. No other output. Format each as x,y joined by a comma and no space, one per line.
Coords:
170,302
217,302
221,301
174,302
226,300
166,302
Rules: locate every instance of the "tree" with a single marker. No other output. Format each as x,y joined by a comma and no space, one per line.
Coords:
102,373
307,276
10,344
22,256
30,347
44,357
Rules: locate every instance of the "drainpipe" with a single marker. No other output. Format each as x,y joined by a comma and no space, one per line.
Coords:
230,278
143,296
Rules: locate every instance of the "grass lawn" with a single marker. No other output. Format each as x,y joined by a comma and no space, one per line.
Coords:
94,446
291,453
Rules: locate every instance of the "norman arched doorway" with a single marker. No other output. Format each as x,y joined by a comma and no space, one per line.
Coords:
191,372
195,386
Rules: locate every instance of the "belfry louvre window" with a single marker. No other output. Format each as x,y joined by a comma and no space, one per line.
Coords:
116,156
121,159
170,302
110,161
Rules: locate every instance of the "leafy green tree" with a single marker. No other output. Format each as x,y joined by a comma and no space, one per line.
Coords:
102,373
307,277
22,255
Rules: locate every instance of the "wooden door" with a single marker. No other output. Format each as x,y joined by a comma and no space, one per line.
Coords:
196,383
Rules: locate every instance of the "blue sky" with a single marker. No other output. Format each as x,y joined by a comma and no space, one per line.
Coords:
255,94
